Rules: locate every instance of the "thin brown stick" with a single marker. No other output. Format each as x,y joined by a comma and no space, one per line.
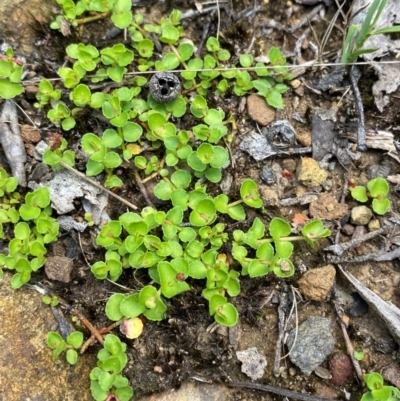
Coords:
92,338
349,345
279,391
142,188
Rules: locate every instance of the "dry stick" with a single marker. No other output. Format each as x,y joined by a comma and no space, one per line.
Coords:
97,185
279,391
142,188
355,75
339,249
76,312
349,345
92,338
376,257
283,301
155,174
88,325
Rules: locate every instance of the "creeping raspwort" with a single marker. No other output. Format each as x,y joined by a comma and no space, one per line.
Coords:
164,87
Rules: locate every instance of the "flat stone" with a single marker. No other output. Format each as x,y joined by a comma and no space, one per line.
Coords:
317,283
257,146
259,110
192,392
27,368
59,268
309,173
391,374
313,344
327,207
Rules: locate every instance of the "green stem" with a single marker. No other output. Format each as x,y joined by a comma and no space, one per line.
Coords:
290,239
238,202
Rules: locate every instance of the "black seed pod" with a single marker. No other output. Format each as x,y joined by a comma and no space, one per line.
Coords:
164,87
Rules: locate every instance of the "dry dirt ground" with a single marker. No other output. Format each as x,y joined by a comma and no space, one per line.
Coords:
181,348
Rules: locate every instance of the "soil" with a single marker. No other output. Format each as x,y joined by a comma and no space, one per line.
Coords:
183,348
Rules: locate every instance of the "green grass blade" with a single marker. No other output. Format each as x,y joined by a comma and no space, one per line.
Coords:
366,26
348,43
389,29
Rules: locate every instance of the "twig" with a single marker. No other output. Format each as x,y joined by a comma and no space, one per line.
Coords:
156,173
230,153
389,312
42,289
97,185
279,391
355,75
102,331
283,303
376,257
195,13
83,253
308,18
349,345
142,188
339,249
88,325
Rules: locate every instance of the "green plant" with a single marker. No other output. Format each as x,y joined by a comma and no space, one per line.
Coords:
107,381
57,152
379,391
272,258
376,189
11,69
358,355
70,345
27,248
50,300
47,93
357,35
120,12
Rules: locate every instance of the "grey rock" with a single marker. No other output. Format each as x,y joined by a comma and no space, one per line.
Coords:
253,363
257,146
267,175
313,344
322,137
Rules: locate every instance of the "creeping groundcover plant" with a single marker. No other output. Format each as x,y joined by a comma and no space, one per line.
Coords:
187,239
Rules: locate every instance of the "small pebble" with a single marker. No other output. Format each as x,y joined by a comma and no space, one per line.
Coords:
267,175
361,215
374,225
341,368
348,229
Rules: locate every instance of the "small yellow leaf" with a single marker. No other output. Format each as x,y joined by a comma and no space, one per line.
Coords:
132,328
134,148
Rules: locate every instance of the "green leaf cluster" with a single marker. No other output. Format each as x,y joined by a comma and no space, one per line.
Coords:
120,10
106,377
70,345
377,190
273,253
34,228
10,75
378,391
